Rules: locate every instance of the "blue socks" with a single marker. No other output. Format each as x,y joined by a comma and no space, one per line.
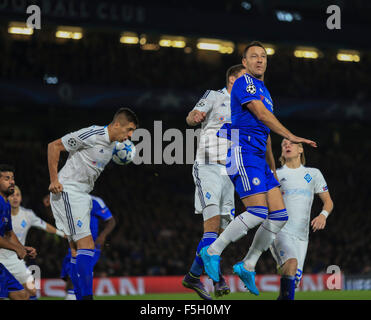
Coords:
198,265
84,265
287,288
75,279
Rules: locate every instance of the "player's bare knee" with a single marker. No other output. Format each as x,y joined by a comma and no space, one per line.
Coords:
290,266
212,224
211,215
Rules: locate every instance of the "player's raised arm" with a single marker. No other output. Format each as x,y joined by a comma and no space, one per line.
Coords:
264,115
54,150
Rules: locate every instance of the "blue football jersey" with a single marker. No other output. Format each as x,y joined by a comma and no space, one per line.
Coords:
5,217
252,132
98,211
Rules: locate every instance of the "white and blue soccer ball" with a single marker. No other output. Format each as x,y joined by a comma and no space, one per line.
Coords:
123,152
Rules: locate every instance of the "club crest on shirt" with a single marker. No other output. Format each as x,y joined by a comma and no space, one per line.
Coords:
251,89
256,181
308,178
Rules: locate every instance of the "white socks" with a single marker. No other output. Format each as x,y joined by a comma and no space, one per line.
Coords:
263,238
238,228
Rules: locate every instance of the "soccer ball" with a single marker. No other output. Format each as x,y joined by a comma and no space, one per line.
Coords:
123,152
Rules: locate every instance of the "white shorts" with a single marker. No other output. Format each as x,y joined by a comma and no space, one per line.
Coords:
18,269
213,187
287,246
71,211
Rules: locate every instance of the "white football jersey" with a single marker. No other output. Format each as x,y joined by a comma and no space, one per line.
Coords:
298,187
21,223
217,105
90,150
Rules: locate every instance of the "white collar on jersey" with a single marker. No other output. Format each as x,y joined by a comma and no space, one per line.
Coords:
286,167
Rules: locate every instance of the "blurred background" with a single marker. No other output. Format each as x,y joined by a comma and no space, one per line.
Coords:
91,57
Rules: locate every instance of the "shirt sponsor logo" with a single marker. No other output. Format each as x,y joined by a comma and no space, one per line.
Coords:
301,192
268,101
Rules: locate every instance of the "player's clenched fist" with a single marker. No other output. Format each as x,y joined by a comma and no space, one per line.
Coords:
55,187
31,252
198,116
21,252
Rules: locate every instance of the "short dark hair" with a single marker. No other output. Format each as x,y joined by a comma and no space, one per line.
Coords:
252,44
129,114
6,168
234,71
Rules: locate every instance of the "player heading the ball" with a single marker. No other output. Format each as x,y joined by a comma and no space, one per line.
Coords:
90,150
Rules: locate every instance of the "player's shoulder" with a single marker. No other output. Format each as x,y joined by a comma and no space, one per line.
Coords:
280,171
241,80
313,170
244,82
98,201
210,94
26,211
92,132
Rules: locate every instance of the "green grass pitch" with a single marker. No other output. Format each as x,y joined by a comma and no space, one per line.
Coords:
310,295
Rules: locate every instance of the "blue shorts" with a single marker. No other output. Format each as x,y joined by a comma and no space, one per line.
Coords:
249,172
66,264
8,283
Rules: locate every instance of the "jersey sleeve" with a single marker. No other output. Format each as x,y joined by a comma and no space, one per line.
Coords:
205,104
35,221
81,139
320,183
101,210
245,90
